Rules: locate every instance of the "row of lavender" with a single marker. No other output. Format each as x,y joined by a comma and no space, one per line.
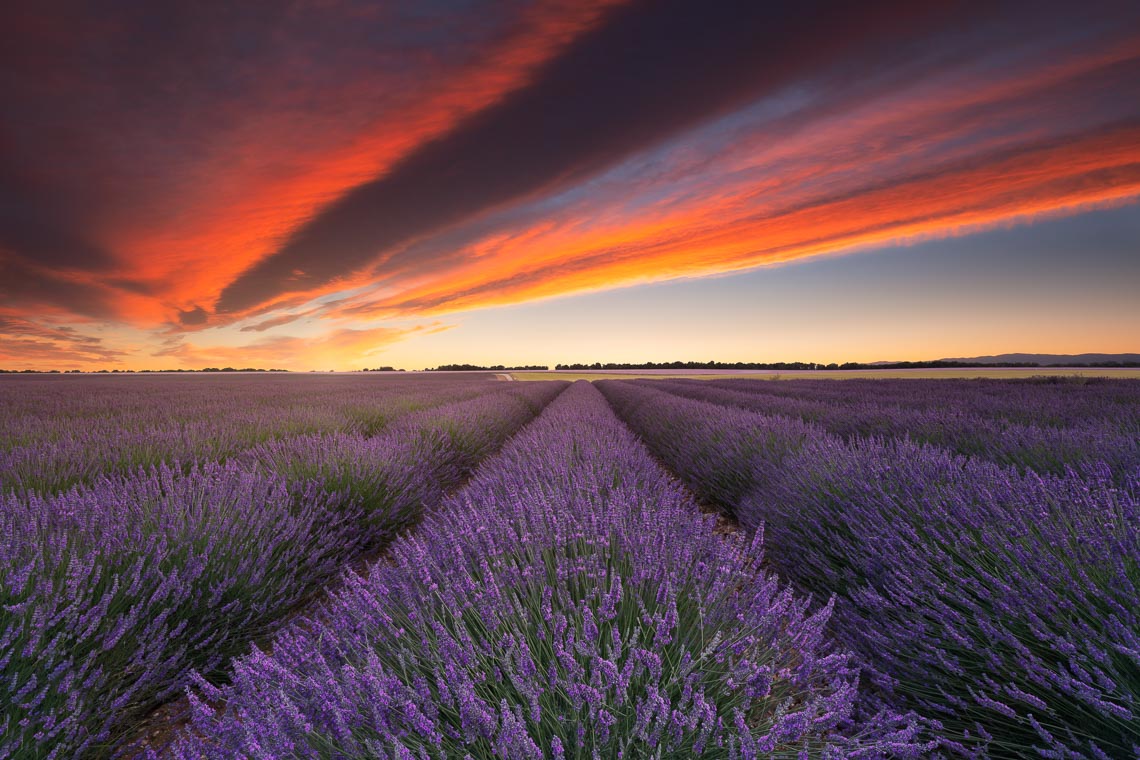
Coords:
111,593
56,432
1044,427
1001,603
570,601
1054,400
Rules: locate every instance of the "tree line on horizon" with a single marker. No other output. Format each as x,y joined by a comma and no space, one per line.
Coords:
832,366
491,368
579,367
130,371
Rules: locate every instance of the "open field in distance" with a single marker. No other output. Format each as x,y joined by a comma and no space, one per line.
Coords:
652,547
946,374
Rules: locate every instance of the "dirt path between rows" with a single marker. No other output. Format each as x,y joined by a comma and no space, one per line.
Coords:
158,730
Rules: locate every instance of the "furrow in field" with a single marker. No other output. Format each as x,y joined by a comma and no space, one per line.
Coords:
154,732
980,596
1041,448
1057,401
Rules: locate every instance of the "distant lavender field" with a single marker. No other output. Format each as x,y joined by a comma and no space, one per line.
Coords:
899,569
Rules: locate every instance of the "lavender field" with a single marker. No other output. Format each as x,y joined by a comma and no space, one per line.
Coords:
447,566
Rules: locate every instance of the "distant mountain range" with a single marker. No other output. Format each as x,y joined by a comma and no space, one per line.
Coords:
1050,360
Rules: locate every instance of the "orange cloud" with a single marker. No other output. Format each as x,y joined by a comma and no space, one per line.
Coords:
858,171
185,192
727,233
257,183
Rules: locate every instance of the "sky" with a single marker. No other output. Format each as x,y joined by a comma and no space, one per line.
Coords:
332,184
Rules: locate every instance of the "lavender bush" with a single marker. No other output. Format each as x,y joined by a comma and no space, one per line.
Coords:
110,594
1057,401
569,602
717,451
1006,605
1002,604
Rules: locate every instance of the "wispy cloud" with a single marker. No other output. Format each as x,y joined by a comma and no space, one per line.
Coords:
31,344
269,324
339,348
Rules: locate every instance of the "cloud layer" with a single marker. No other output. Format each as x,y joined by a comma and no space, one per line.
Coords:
179,169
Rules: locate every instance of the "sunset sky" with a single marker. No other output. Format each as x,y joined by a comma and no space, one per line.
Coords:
330,184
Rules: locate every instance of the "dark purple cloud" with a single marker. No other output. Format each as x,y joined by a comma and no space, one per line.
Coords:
195,317
128,120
